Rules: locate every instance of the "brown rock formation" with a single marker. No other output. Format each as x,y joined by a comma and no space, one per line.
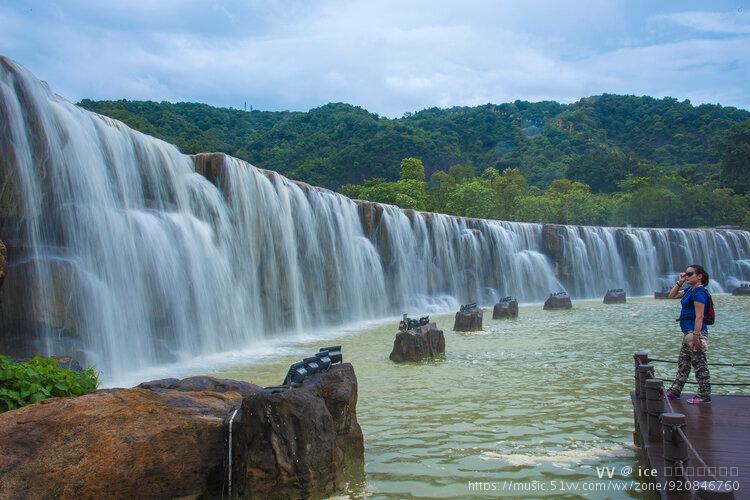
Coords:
423,342
505,309
558,301
615,297
468,320
169,438
130,443
298,443
26,298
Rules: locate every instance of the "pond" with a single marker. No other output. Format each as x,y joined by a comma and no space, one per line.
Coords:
528,407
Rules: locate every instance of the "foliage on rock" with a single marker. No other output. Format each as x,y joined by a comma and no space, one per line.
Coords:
27,382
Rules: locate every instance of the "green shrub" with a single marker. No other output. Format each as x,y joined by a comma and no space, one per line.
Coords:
26,382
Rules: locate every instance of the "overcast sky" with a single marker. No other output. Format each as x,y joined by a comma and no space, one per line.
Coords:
389,57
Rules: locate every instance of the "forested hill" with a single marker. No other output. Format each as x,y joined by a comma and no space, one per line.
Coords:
597,140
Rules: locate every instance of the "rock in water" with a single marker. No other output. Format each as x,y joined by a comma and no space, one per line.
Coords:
169,438
423,342
741,290
468,320
661,295
616,296
560,300
506,308
297,443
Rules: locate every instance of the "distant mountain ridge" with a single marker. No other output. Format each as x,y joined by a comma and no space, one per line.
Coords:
339,143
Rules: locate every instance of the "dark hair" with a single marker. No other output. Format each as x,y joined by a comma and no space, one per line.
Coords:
702,272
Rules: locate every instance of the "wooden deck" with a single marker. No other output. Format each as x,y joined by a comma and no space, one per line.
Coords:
718,451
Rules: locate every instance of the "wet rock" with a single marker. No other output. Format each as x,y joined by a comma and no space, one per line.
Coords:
126,443
741,290
41,292
423,342
615,296
3,262
169,438
299,443
210,166
202,383
468,320
68,363
505,308
661,295
560,300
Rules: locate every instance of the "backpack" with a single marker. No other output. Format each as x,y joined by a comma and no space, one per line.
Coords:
709,313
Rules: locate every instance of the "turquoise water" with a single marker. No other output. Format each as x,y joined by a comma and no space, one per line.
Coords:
529,404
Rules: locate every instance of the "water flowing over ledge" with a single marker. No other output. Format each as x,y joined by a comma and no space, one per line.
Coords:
124,249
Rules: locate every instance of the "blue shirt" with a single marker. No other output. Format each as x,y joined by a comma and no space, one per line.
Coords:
687,314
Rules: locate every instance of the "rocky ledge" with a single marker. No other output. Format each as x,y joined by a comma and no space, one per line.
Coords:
170,438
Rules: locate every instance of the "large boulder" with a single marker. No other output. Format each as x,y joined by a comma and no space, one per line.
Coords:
170,438
742,290
299,443
661,295
615,296
128,443
505,308
468,320
423,342
559,300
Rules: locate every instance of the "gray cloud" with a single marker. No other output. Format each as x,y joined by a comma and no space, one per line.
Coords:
389,57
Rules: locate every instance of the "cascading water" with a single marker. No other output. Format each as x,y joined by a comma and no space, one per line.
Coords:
120,250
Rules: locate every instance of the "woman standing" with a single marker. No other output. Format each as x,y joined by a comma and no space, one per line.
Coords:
694,301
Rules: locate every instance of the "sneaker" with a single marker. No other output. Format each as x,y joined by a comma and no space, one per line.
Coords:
672,395
698,400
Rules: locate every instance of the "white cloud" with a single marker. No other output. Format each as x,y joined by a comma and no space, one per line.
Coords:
732,23
388,57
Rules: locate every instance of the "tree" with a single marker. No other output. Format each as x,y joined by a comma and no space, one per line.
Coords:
735,158
508,187
412,168
472,199
602,168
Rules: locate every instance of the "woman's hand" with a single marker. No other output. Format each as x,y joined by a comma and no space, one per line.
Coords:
697,346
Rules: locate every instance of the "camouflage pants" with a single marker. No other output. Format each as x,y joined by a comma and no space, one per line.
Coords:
696,359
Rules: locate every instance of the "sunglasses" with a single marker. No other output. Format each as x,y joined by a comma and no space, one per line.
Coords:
689,273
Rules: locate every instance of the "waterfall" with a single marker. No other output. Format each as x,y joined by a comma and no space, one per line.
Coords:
130,254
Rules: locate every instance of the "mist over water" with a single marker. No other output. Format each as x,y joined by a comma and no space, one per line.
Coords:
121,251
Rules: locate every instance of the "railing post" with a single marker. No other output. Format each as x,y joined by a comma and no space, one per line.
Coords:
640,358
645,372
654,407
674,445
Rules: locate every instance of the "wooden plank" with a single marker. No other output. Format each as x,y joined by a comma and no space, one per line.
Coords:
719,434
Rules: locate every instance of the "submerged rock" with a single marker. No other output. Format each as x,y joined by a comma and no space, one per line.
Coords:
560,300
468,320
615,296
169,438
423,342
505,308
741,290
